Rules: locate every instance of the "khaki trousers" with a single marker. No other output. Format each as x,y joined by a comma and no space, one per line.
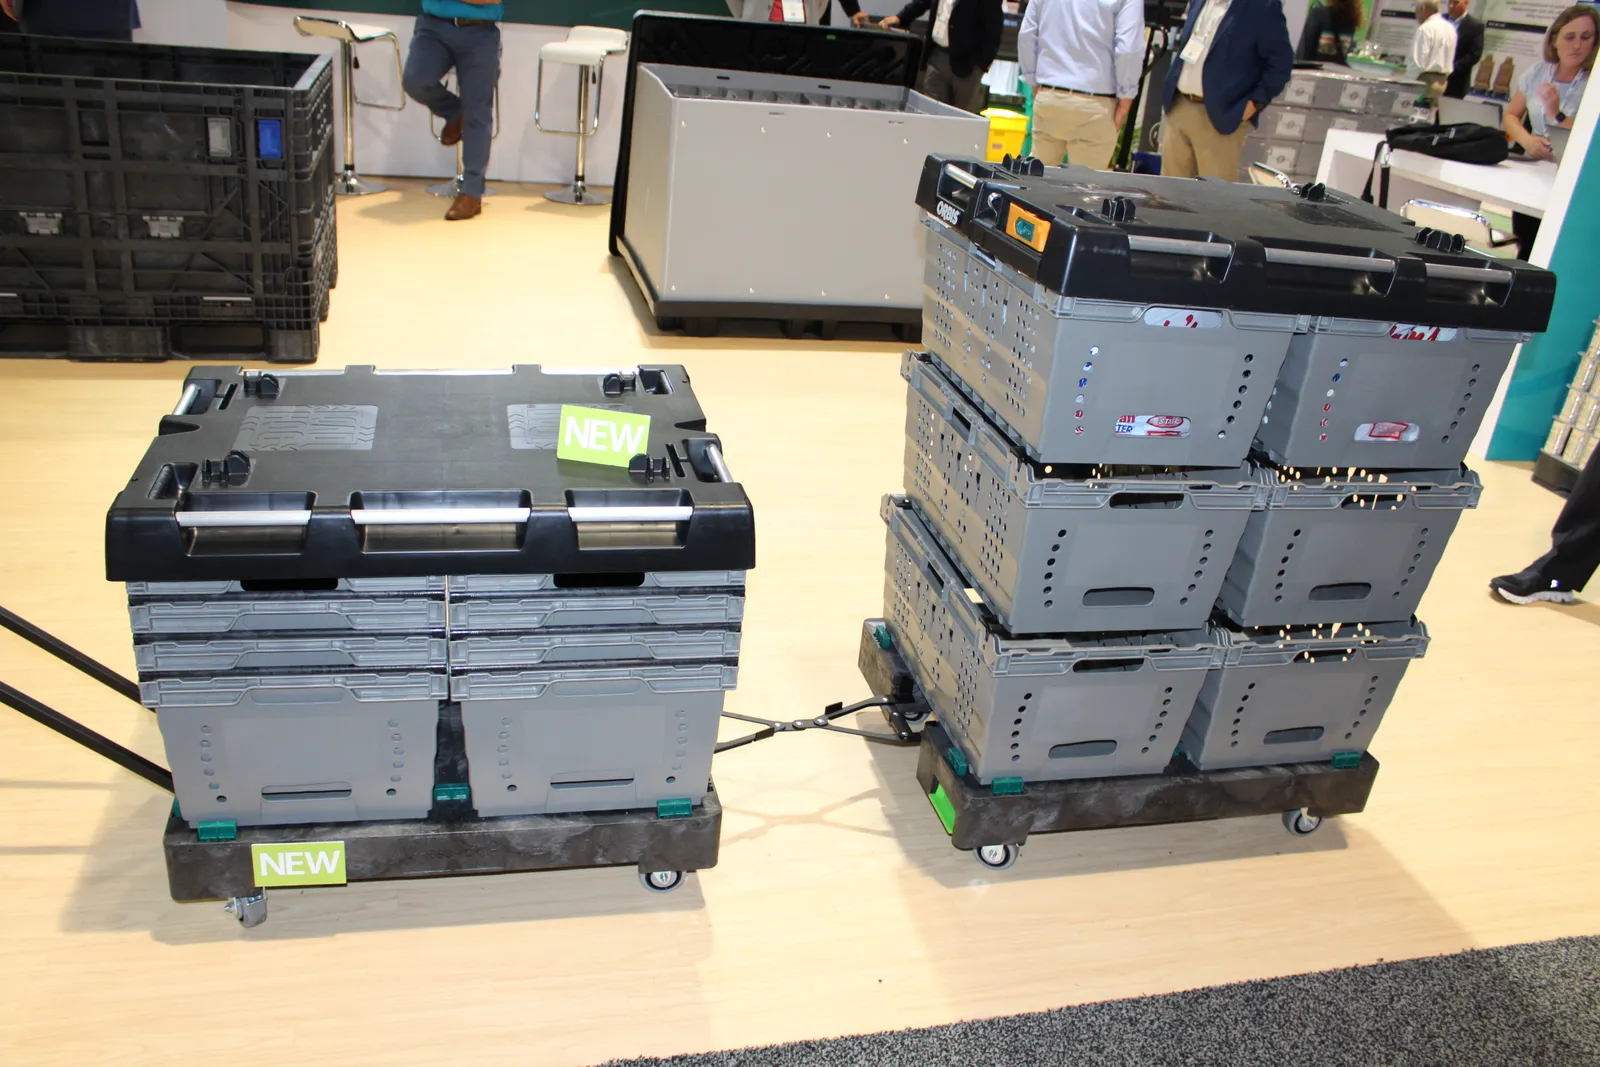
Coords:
1433,85
1192,148
1079,127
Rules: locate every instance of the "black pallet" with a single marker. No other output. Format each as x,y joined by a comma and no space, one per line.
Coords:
976,817
452,840
162,201
1555,473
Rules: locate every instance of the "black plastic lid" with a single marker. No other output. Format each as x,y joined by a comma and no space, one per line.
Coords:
359,473
1206,243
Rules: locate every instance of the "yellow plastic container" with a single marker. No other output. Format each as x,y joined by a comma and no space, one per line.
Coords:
1007,131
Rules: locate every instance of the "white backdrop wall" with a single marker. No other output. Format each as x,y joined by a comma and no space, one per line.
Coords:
400,143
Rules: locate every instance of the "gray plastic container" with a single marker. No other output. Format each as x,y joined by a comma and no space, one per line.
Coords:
363,652
1037,709
352,586
1073,549
494,651
520,614
281,749
276,613
1382,395
590,740
1345,548
485,585
1304,695
1097,381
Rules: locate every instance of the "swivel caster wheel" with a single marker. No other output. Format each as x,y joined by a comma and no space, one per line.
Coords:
250,911
661,881
1301,823
997,857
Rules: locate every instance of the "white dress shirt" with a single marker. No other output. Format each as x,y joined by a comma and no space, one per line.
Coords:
1091,46
941,23
1200,38
1433,49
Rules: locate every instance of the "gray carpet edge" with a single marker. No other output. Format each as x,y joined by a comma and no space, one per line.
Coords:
1527,1004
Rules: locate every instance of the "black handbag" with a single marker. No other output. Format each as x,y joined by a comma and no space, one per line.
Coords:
1460,142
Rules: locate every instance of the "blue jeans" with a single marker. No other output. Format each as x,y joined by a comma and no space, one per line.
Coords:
474,51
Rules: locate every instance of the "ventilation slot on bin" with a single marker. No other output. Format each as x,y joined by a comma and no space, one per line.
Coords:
1130,597
1088,666
1299,735
1341,591
301,792
1083,749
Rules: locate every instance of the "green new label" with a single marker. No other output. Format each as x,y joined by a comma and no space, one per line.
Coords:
300,863
594,435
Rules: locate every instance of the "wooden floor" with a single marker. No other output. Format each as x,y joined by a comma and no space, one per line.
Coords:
839,905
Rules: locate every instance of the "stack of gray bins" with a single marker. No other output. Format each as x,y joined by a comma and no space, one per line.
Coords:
1119,542
342,584
1290,136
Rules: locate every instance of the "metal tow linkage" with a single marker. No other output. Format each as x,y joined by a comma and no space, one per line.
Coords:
903,734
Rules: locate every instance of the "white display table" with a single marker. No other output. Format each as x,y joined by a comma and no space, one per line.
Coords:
1518,184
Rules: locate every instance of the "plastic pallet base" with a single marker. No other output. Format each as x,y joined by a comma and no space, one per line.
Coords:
157,344
704,318
1554,473
1180,794
452,840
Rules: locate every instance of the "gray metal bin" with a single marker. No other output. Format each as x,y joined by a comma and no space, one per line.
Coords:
582,739
520,614
767,196
592,647
268,613
361,652
1382,395
1058,549
1303,695
1098,381
269,750
1345,548
1042,708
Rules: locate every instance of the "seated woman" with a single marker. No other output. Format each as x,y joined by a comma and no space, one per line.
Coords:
1330,28
1548,93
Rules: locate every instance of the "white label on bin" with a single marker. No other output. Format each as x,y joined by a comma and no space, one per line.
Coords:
1300,91
1353,97
1282,156
1402,331
1290,124
1152,426
1183,318
1392,433
1345,124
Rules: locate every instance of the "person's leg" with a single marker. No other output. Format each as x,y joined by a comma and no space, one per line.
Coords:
1177,148
1526,230
1050,127
1575,541
968,92
477,51
937,82
427,63
1096,139
1217,154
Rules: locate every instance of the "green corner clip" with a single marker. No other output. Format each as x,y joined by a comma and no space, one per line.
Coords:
1346,761
1007,787
674,809
451,791
881,635
957,761
218,830
943,808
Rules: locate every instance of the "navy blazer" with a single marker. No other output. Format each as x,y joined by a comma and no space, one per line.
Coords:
1251,59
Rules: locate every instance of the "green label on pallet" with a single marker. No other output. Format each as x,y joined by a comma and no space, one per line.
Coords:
596,435
299,863
943,808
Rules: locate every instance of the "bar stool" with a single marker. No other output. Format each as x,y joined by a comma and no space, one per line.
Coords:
349,183
451,187
586,48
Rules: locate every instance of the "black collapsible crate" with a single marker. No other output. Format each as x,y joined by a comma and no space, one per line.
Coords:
159,201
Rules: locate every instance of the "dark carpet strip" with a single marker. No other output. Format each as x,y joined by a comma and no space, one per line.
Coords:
1530,1004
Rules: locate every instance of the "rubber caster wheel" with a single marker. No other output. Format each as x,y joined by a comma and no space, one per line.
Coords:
250,911
793,329
828,330
997,857
1301,823
701,327
661,881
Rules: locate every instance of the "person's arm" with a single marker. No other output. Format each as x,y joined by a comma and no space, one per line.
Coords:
1128,56
1511,121
1028,44
908,14
1277,60
852,10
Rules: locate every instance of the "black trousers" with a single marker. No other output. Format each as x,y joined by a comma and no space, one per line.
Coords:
1575,542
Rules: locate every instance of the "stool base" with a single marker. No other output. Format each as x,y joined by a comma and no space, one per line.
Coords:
578,193
349,183
452,188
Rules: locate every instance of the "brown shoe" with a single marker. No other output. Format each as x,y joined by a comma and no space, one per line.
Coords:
450,136
465,207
